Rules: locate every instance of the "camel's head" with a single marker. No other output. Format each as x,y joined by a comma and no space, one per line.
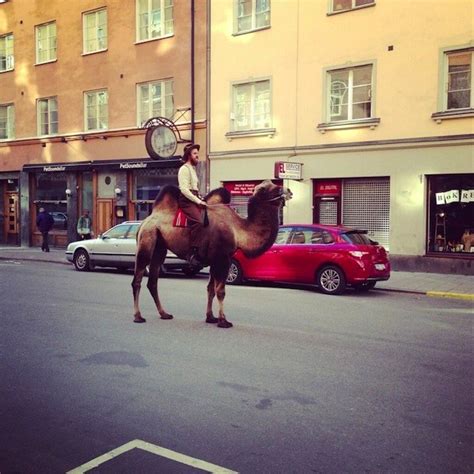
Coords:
272,193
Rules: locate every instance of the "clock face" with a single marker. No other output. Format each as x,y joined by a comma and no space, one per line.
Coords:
162,142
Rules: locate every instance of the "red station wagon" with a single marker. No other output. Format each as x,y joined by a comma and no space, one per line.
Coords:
332,257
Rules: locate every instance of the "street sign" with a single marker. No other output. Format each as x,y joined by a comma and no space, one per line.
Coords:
288,170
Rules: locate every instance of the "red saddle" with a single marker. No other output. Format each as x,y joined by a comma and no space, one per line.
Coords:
180,219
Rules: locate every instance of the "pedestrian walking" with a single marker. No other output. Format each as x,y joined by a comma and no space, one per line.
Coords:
84,225
44,222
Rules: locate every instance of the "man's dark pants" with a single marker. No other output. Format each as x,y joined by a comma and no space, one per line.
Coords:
45,244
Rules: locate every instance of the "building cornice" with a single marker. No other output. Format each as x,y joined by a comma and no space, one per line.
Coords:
351,146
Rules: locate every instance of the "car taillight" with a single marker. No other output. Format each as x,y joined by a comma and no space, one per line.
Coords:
358,253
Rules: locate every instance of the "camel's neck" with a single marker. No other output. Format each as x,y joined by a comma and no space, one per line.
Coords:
261,228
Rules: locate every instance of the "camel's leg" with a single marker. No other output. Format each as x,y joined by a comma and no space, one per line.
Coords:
142,260
210,297
157,259
219,272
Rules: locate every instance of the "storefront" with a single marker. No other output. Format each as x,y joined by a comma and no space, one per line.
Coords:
9,209
363,203
450,228
241,192
112,191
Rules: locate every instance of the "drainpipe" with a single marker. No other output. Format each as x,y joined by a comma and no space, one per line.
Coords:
208,94
192,71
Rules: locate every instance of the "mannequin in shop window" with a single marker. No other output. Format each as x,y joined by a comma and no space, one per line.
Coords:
84,226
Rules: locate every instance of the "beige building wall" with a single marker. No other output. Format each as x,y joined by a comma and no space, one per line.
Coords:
302,41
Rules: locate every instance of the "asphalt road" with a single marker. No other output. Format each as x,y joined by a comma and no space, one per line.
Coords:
304,382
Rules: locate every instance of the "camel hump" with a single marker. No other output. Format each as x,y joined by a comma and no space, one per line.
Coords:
218,196
167,190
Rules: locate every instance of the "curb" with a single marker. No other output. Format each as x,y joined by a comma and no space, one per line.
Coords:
34,259
447,294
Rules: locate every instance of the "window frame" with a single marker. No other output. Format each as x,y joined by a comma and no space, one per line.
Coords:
37,28
163,106
253,16
97,116
39,124
162,22
371,121
332,11
443,113
95,12
252,127
12,55
10,122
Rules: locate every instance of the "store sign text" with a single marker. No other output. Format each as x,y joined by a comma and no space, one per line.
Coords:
128,166
465,195
54,168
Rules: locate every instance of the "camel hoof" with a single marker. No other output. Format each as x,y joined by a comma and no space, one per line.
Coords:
167,316
211,320
223,323
139,319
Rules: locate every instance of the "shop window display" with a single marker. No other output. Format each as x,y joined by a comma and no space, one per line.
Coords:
147,185
451,214
51,194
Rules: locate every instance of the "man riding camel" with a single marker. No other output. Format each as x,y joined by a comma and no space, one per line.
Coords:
190,201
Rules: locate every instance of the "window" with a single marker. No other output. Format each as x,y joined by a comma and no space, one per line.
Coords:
46,43
155,99
96,110
350,94
459,80
49,193
252,15
47,116
154,19
95,31
6,53
251,106
7,121
344,5
450,211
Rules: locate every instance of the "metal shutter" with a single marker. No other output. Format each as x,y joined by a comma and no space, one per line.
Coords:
366,205
328,212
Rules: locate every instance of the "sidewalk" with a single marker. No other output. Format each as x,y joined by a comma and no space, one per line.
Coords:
430,284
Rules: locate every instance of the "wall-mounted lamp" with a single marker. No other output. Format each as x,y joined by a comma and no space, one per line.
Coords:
68,192
118,192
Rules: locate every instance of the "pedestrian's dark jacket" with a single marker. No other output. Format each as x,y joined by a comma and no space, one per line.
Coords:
44,221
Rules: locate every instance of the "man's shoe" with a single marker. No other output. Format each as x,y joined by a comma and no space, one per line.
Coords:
193,258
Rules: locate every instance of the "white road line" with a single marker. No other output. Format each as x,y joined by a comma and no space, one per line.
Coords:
154,449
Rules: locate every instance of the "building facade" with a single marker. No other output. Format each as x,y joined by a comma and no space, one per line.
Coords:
369,102
78,82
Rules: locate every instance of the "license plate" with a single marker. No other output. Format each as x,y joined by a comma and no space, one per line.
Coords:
380,266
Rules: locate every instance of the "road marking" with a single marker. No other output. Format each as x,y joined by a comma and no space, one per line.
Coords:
154,449
446,294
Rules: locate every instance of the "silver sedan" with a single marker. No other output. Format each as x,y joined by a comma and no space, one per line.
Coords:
117,248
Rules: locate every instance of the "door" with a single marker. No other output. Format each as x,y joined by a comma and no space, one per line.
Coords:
104,215
12,224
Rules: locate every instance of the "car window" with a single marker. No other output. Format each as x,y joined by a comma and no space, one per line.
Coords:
356,238
311,236
117,232
132,232
282,236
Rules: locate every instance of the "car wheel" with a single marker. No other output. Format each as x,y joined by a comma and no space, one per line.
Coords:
82,261
235,275
331,280
364,287
190,271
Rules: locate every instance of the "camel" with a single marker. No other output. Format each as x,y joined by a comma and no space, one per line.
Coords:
226,232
